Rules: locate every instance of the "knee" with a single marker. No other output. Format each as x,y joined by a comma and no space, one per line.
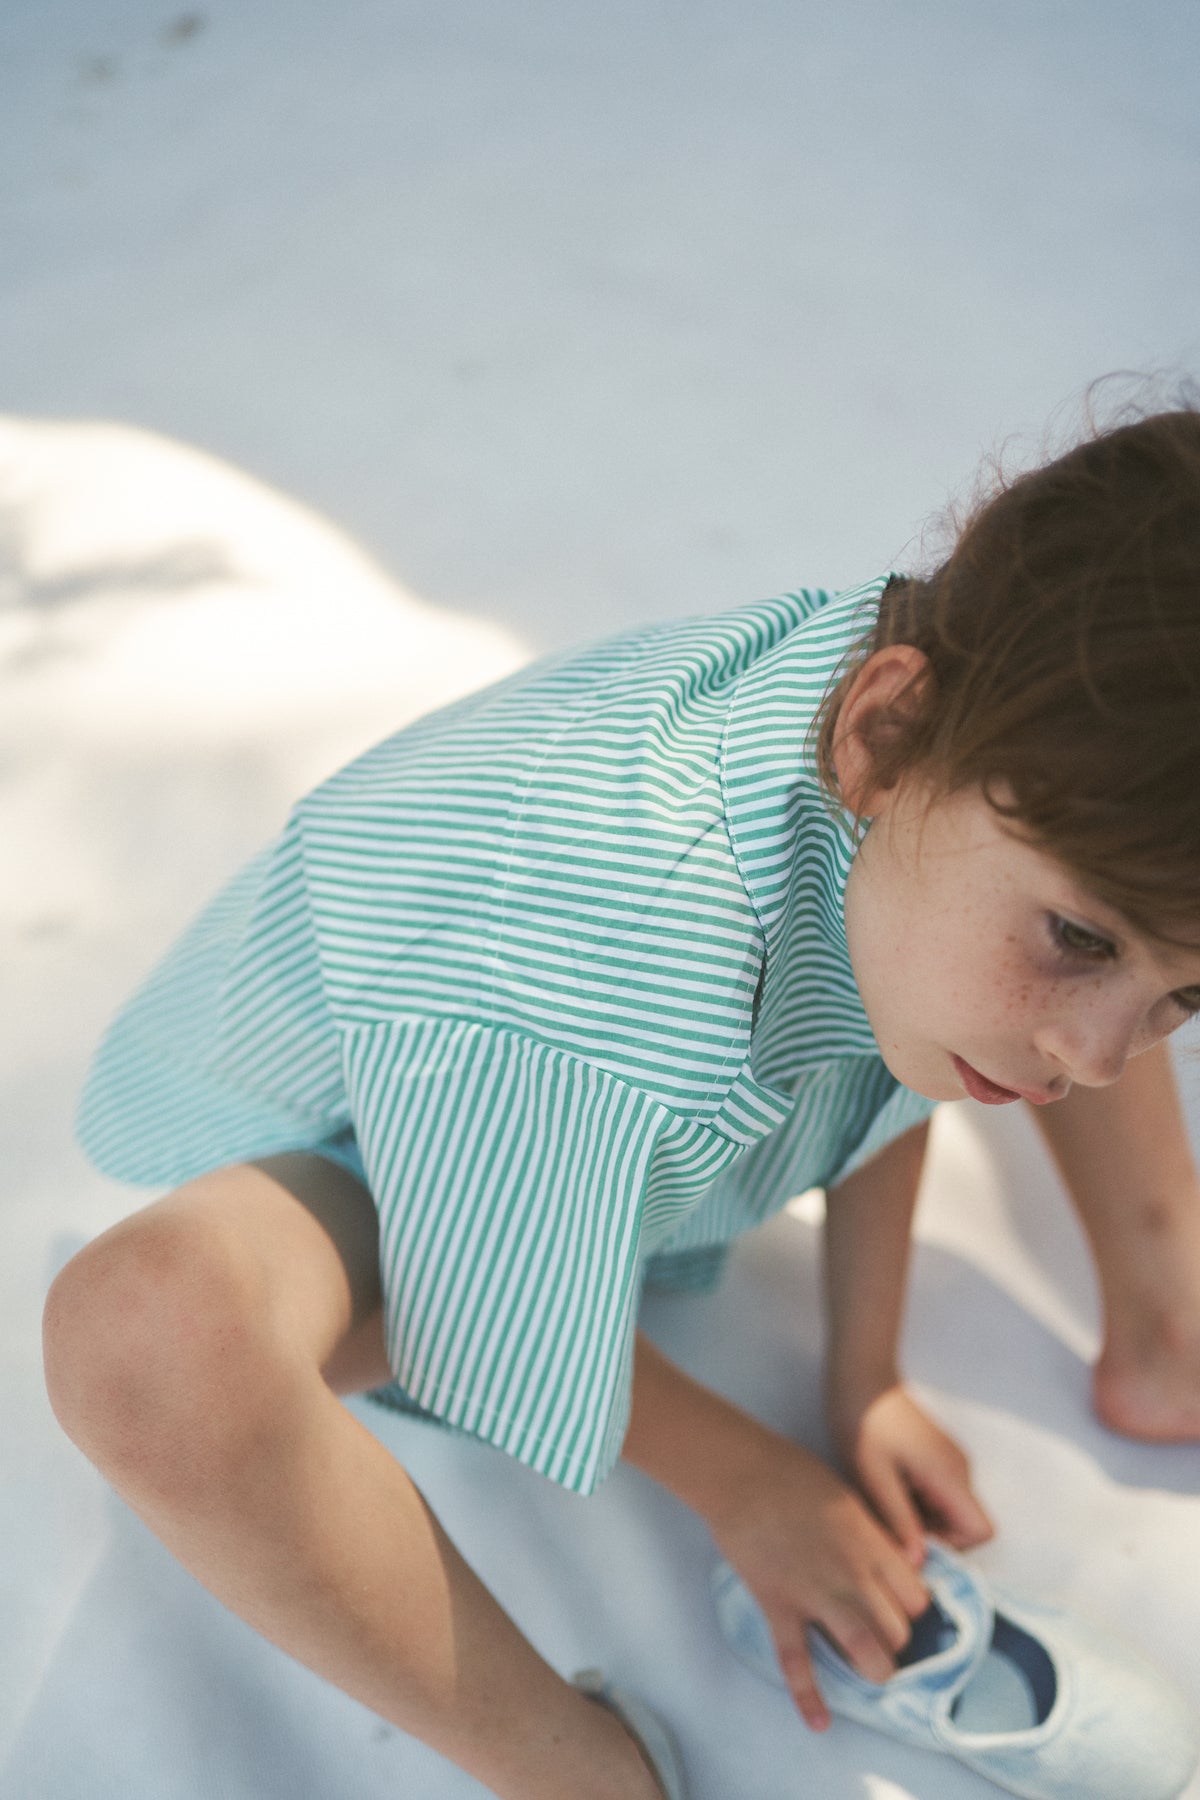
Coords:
148,1346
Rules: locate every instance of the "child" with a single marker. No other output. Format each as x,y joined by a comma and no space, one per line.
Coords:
554,993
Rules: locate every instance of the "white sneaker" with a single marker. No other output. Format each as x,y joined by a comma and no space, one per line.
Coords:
644,1727
1030,1696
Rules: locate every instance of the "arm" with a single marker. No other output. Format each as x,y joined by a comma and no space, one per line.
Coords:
1124,1156
801,1540
917,1478
868,1237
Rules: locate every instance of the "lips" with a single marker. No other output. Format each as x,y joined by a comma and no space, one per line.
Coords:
992,1094
980,1088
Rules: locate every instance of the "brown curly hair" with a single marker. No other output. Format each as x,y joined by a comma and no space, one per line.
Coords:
1063,643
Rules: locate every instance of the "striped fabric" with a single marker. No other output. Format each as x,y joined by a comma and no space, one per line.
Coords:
562,970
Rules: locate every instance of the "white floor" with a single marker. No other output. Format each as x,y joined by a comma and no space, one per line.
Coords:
352,355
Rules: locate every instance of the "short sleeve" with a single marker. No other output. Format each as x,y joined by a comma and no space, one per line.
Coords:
510,1179
228,1049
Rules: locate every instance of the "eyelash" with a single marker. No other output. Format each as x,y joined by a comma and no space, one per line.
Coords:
1094,949
1099,949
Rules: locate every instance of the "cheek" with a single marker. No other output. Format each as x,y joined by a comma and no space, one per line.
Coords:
1017,988
1000,990
1031,990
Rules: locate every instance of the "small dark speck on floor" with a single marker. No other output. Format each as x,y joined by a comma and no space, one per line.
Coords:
187,26
98,71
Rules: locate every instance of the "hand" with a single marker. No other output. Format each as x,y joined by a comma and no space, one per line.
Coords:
917,1479
811,1554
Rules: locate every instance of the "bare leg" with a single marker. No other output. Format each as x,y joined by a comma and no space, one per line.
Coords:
1124,1155
189,1353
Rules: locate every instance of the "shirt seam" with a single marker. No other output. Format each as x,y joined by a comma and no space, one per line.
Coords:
344,1028
726,819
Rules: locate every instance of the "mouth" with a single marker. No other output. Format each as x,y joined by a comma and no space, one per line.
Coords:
990,1092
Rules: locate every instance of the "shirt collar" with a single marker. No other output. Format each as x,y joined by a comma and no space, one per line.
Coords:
793,847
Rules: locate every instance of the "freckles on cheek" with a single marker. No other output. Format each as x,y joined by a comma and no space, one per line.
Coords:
1016,1001
1013,975
1012,986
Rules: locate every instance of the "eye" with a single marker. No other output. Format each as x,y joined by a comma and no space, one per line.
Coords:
1077,941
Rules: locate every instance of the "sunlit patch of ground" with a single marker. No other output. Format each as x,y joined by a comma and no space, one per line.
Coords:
182,652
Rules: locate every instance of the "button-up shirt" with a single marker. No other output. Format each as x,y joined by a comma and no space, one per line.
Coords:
565,965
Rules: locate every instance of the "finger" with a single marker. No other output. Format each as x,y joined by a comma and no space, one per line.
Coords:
894,1504
860,1642
971,1526
796,1663
905,1586
954,1512
889,1619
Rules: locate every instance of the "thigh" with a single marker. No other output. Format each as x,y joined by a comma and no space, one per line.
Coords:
289,1241
345,1212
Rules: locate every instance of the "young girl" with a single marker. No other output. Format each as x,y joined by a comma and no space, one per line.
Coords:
553,994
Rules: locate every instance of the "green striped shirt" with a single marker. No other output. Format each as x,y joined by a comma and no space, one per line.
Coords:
565,965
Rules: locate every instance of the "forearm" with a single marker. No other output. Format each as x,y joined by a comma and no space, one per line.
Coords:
1124,1144
701,1447
1124,1156
868,1233
805,1545
917,1478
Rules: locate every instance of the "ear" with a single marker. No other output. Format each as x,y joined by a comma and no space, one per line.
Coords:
881,692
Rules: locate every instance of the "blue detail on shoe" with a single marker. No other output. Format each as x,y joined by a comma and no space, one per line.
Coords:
1035,1699
1012,1689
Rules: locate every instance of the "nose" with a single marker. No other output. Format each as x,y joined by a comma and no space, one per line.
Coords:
1089,1045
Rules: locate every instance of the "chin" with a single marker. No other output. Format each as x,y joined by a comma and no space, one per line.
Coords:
933,1089
932,1077
916,1072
